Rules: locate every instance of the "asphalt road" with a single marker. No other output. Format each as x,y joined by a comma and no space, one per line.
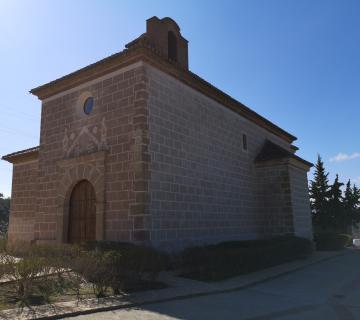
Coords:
328,290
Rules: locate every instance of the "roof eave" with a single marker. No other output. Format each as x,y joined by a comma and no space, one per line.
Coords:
22,156
294,159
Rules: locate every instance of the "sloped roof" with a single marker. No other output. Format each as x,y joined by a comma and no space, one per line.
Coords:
31,153
141,50
272,151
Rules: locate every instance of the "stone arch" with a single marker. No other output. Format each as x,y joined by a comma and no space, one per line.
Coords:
71,176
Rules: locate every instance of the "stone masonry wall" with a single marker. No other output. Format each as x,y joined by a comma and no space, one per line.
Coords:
275,214
116,126
167,164
300,202
203,185
23,201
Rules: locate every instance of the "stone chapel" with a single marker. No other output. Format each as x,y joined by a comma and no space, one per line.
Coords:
137,148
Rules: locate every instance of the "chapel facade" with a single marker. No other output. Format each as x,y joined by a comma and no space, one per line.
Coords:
137,148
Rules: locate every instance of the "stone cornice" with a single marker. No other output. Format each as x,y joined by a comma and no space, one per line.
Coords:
142,51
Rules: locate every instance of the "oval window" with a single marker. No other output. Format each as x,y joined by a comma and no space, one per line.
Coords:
88,105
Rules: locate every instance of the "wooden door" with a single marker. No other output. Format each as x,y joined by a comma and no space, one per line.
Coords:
82,213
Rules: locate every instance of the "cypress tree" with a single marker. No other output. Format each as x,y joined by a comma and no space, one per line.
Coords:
319,195
348,195
356,197
351,204
348,203
335,207
356,206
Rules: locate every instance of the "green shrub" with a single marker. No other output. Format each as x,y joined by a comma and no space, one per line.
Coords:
228,259
106,245
42,271
16,248
60,256
329,241
99,268
33,278
3,243
134,264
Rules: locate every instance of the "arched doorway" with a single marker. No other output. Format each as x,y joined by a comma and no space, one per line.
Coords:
82,213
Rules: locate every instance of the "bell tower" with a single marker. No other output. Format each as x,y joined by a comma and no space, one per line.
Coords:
164,34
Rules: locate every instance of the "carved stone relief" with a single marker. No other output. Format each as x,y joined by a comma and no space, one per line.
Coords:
87,139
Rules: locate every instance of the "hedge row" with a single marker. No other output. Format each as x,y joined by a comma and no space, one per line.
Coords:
47,270
120,267
228,259
330,241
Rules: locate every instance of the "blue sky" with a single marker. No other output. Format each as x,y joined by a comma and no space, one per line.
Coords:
295,62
